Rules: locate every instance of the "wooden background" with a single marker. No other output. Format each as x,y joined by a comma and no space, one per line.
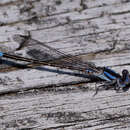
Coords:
95,30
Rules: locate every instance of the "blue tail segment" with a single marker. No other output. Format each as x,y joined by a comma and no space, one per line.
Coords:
89,70
1,54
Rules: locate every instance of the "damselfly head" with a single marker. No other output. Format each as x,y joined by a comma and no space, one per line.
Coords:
125,72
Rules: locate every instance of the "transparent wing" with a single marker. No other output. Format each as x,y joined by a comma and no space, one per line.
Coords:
41,51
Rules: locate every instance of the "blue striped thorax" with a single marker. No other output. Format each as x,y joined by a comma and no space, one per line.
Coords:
103,77
110,76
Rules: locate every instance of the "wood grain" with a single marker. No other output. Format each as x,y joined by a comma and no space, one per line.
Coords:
52,98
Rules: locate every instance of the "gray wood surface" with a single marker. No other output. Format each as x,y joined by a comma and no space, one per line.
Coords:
52,98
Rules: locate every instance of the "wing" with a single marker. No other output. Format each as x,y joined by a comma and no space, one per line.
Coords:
48,55
41,51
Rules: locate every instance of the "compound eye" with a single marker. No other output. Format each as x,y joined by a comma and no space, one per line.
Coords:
125,72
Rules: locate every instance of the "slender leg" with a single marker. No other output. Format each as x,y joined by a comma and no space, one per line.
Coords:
106,86
0,61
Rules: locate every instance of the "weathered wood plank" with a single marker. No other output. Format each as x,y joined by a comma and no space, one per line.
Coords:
66,109
44,98
61,19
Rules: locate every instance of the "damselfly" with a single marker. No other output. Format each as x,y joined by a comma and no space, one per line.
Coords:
59,59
